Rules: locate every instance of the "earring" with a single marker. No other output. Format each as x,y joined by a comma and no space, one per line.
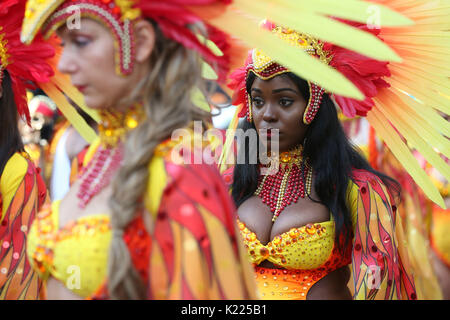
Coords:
249,110
315,99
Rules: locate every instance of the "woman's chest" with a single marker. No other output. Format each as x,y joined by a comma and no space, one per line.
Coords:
258,218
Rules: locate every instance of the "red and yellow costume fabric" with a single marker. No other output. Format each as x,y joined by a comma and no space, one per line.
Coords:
22,190
414,210
191,253
22,194
423,221
307,254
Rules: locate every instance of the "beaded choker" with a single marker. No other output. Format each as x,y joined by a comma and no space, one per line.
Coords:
114,125
288,184
108,158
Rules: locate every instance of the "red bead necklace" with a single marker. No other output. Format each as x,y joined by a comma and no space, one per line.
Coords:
288,184
99,173
108,158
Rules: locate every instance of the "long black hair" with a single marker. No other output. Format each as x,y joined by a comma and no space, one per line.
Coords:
10,139
332,157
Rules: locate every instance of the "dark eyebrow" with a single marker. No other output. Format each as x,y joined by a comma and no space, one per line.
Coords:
256,90
284,89
60,31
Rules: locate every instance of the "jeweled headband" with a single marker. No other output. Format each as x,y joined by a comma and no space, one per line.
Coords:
118,16
264,67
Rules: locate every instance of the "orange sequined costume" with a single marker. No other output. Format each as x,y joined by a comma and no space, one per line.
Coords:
22,194
306,254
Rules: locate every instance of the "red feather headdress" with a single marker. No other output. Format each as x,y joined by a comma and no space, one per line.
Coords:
26,65
172,17
365,73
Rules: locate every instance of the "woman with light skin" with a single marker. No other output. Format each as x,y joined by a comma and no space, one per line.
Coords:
164,73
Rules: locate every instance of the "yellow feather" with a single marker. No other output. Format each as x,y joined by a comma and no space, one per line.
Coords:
439,84
436,68
421,92
296,60
208,72
64,84
69,112
354,10
227,148
437,42
409,127
199,100
399,113
403,155
426,114
330,30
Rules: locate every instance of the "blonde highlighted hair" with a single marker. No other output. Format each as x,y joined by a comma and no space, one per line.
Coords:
174,72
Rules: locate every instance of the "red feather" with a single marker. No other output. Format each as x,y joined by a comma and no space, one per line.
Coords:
27,65
365,73
237,84
173,17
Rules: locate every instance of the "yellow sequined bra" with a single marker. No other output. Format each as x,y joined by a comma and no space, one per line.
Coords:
305,248
75,254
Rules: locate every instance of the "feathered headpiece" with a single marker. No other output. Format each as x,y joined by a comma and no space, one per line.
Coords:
26,66
366,73
227,24
401,99
34,66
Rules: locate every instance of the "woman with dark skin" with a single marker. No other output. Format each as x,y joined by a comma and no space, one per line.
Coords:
324,225
279,104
